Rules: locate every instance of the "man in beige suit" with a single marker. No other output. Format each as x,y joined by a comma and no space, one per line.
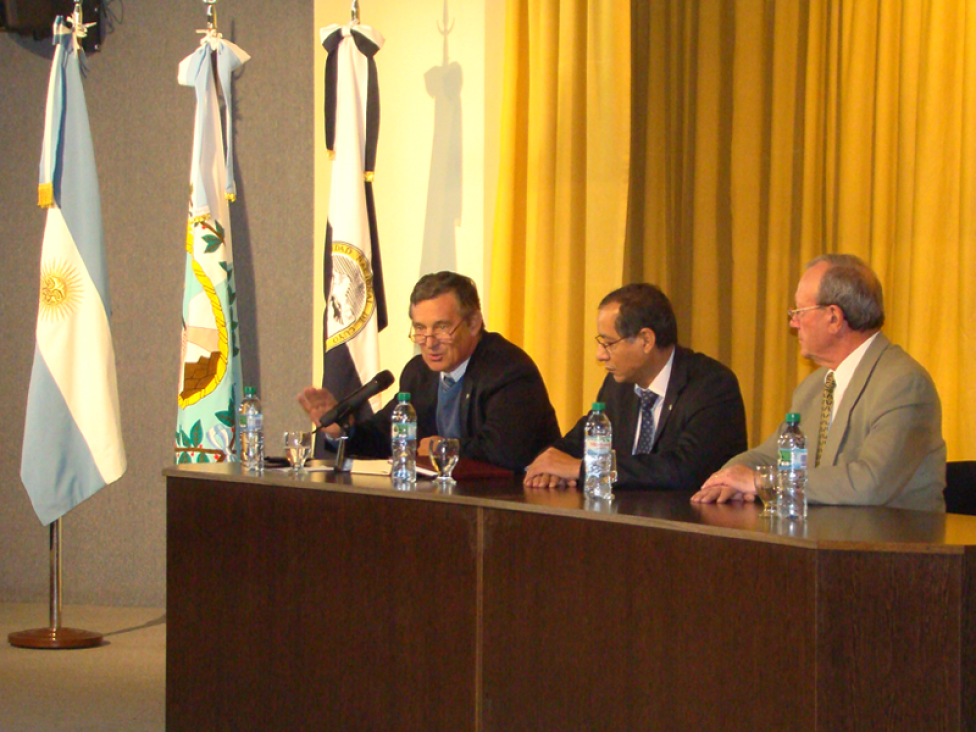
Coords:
871,414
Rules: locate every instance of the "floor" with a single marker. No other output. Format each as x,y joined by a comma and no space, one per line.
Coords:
120,685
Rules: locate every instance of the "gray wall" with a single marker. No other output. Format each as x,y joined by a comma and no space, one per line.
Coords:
114,544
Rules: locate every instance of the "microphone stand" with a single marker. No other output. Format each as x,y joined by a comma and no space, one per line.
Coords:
340,454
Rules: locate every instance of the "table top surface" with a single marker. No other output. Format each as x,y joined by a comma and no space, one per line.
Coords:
826,527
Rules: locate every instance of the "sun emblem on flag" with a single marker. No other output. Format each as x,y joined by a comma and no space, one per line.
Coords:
351,301
61,290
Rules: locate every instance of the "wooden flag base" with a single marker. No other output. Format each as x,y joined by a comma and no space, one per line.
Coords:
55,638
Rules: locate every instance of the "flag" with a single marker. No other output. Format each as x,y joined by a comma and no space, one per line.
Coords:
210,370
355,304
73,434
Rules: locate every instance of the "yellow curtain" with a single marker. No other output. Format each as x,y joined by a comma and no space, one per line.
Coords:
763,133
562,199
776,131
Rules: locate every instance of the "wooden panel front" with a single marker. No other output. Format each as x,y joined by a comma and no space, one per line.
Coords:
889,634
599,626
298,609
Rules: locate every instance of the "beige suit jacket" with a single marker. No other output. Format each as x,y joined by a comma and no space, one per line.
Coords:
885,444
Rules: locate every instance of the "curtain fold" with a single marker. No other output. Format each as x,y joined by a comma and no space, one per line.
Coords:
761,134
777,131
562,197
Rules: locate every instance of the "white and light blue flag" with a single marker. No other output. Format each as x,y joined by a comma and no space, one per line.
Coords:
73,434
210,370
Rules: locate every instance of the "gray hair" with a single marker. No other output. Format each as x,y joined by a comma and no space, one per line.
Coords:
851,285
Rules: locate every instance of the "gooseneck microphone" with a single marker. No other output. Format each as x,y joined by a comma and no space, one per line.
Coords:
354,401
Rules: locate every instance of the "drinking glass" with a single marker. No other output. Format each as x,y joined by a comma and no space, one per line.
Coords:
766,488
444,456
298,445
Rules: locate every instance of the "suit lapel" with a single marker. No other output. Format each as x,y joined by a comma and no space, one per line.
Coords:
676,384
842,417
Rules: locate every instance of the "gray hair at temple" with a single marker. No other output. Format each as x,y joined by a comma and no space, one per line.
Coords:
440,283
852,285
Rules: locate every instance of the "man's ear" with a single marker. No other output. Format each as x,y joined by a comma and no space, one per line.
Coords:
650,339
476,322
837,319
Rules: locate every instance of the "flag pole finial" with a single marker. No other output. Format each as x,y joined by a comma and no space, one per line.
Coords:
211,15
355,12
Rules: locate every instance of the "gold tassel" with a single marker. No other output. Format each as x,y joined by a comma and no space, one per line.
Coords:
369,176
45,195
231,197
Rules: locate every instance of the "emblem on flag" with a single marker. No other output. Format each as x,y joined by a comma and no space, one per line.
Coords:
209,389
355,303
73,434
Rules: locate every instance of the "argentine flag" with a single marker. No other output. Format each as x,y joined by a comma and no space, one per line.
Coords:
73,435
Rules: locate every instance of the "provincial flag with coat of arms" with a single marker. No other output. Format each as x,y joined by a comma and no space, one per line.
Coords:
355,302
210,370
72,434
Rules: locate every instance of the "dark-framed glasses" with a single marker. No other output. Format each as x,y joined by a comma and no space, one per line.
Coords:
441,332
607,345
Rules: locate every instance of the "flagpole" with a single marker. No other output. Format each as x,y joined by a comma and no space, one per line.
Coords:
54,637
74,183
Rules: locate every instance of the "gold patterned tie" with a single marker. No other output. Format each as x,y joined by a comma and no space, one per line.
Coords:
826,410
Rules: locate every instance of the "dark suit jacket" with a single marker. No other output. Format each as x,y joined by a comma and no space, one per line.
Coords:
702,425
506,416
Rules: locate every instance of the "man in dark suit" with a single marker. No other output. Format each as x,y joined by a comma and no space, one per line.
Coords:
466,383
677,415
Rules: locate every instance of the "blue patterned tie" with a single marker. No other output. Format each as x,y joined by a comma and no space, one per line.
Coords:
646,439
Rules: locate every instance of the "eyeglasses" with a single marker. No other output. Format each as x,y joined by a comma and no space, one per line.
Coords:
607,345
440,333
795,314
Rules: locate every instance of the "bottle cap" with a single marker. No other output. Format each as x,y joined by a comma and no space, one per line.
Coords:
793,418
248,390
599,406
403,396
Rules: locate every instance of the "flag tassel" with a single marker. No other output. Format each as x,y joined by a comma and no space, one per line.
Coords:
55,637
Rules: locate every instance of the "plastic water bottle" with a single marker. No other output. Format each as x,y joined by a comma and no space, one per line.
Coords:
597,455
403,443
792,467
250,428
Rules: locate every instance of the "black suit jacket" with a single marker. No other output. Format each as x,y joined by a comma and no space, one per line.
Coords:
506,416
702,425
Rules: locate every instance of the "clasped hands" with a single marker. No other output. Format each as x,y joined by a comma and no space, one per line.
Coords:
552,469
735,483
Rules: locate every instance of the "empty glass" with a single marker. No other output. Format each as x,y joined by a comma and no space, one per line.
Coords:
298,445
444,455
767,478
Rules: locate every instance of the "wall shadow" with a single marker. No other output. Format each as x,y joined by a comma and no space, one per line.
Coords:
444,184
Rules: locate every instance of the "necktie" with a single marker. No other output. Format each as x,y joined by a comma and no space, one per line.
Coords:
826,410
646,439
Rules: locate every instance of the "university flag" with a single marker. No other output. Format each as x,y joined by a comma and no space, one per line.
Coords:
73,434
210,370
355,304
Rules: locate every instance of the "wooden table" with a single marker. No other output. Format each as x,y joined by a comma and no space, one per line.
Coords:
323,603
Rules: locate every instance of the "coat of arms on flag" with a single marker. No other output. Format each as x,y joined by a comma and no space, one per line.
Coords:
210,372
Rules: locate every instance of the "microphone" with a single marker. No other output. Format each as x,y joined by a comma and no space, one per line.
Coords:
354,401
